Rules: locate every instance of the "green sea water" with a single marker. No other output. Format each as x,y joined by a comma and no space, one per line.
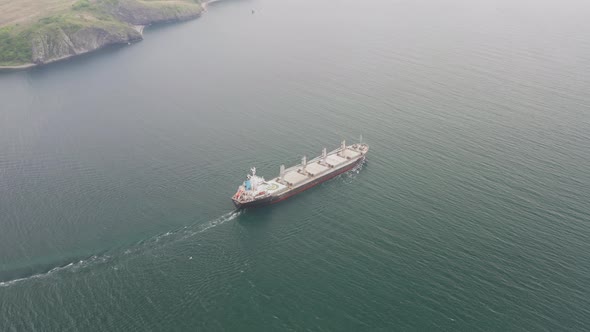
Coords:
471,213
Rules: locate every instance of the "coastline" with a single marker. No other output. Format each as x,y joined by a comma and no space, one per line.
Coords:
18,67
133,32
60,59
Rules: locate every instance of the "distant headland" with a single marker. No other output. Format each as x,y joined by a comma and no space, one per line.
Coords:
37,32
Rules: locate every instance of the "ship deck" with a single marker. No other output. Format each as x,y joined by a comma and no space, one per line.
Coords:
298,175
307,173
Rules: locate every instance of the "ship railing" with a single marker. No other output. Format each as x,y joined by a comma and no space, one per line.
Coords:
298,166
319,158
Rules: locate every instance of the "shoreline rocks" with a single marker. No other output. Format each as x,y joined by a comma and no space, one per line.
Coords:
84,32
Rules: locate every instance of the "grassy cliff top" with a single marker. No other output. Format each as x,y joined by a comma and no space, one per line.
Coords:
21,21
22,12
25,11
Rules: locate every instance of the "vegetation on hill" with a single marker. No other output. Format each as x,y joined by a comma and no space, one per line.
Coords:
86,25
15,46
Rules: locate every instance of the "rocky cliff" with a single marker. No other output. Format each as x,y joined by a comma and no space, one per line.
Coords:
146,13
59,43
94,24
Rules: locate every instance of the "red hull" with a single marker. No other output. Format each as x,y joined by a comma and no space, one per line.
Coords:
284,196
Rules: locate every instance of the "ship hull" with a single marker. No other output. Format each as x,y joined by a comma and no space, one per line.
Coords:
281,197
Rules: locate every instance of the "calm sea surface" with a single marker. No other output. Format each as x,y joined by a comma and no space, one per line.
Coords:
472,212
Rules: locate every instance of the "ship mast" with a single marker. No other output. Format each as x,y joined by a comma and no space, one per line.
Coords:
342,148
304,163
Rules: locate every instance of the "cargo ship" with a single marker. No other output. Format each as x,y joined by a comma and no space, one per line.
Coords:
255,191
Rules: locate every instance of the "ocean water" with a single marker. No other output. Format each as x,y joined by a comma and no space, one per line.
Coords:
472,212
